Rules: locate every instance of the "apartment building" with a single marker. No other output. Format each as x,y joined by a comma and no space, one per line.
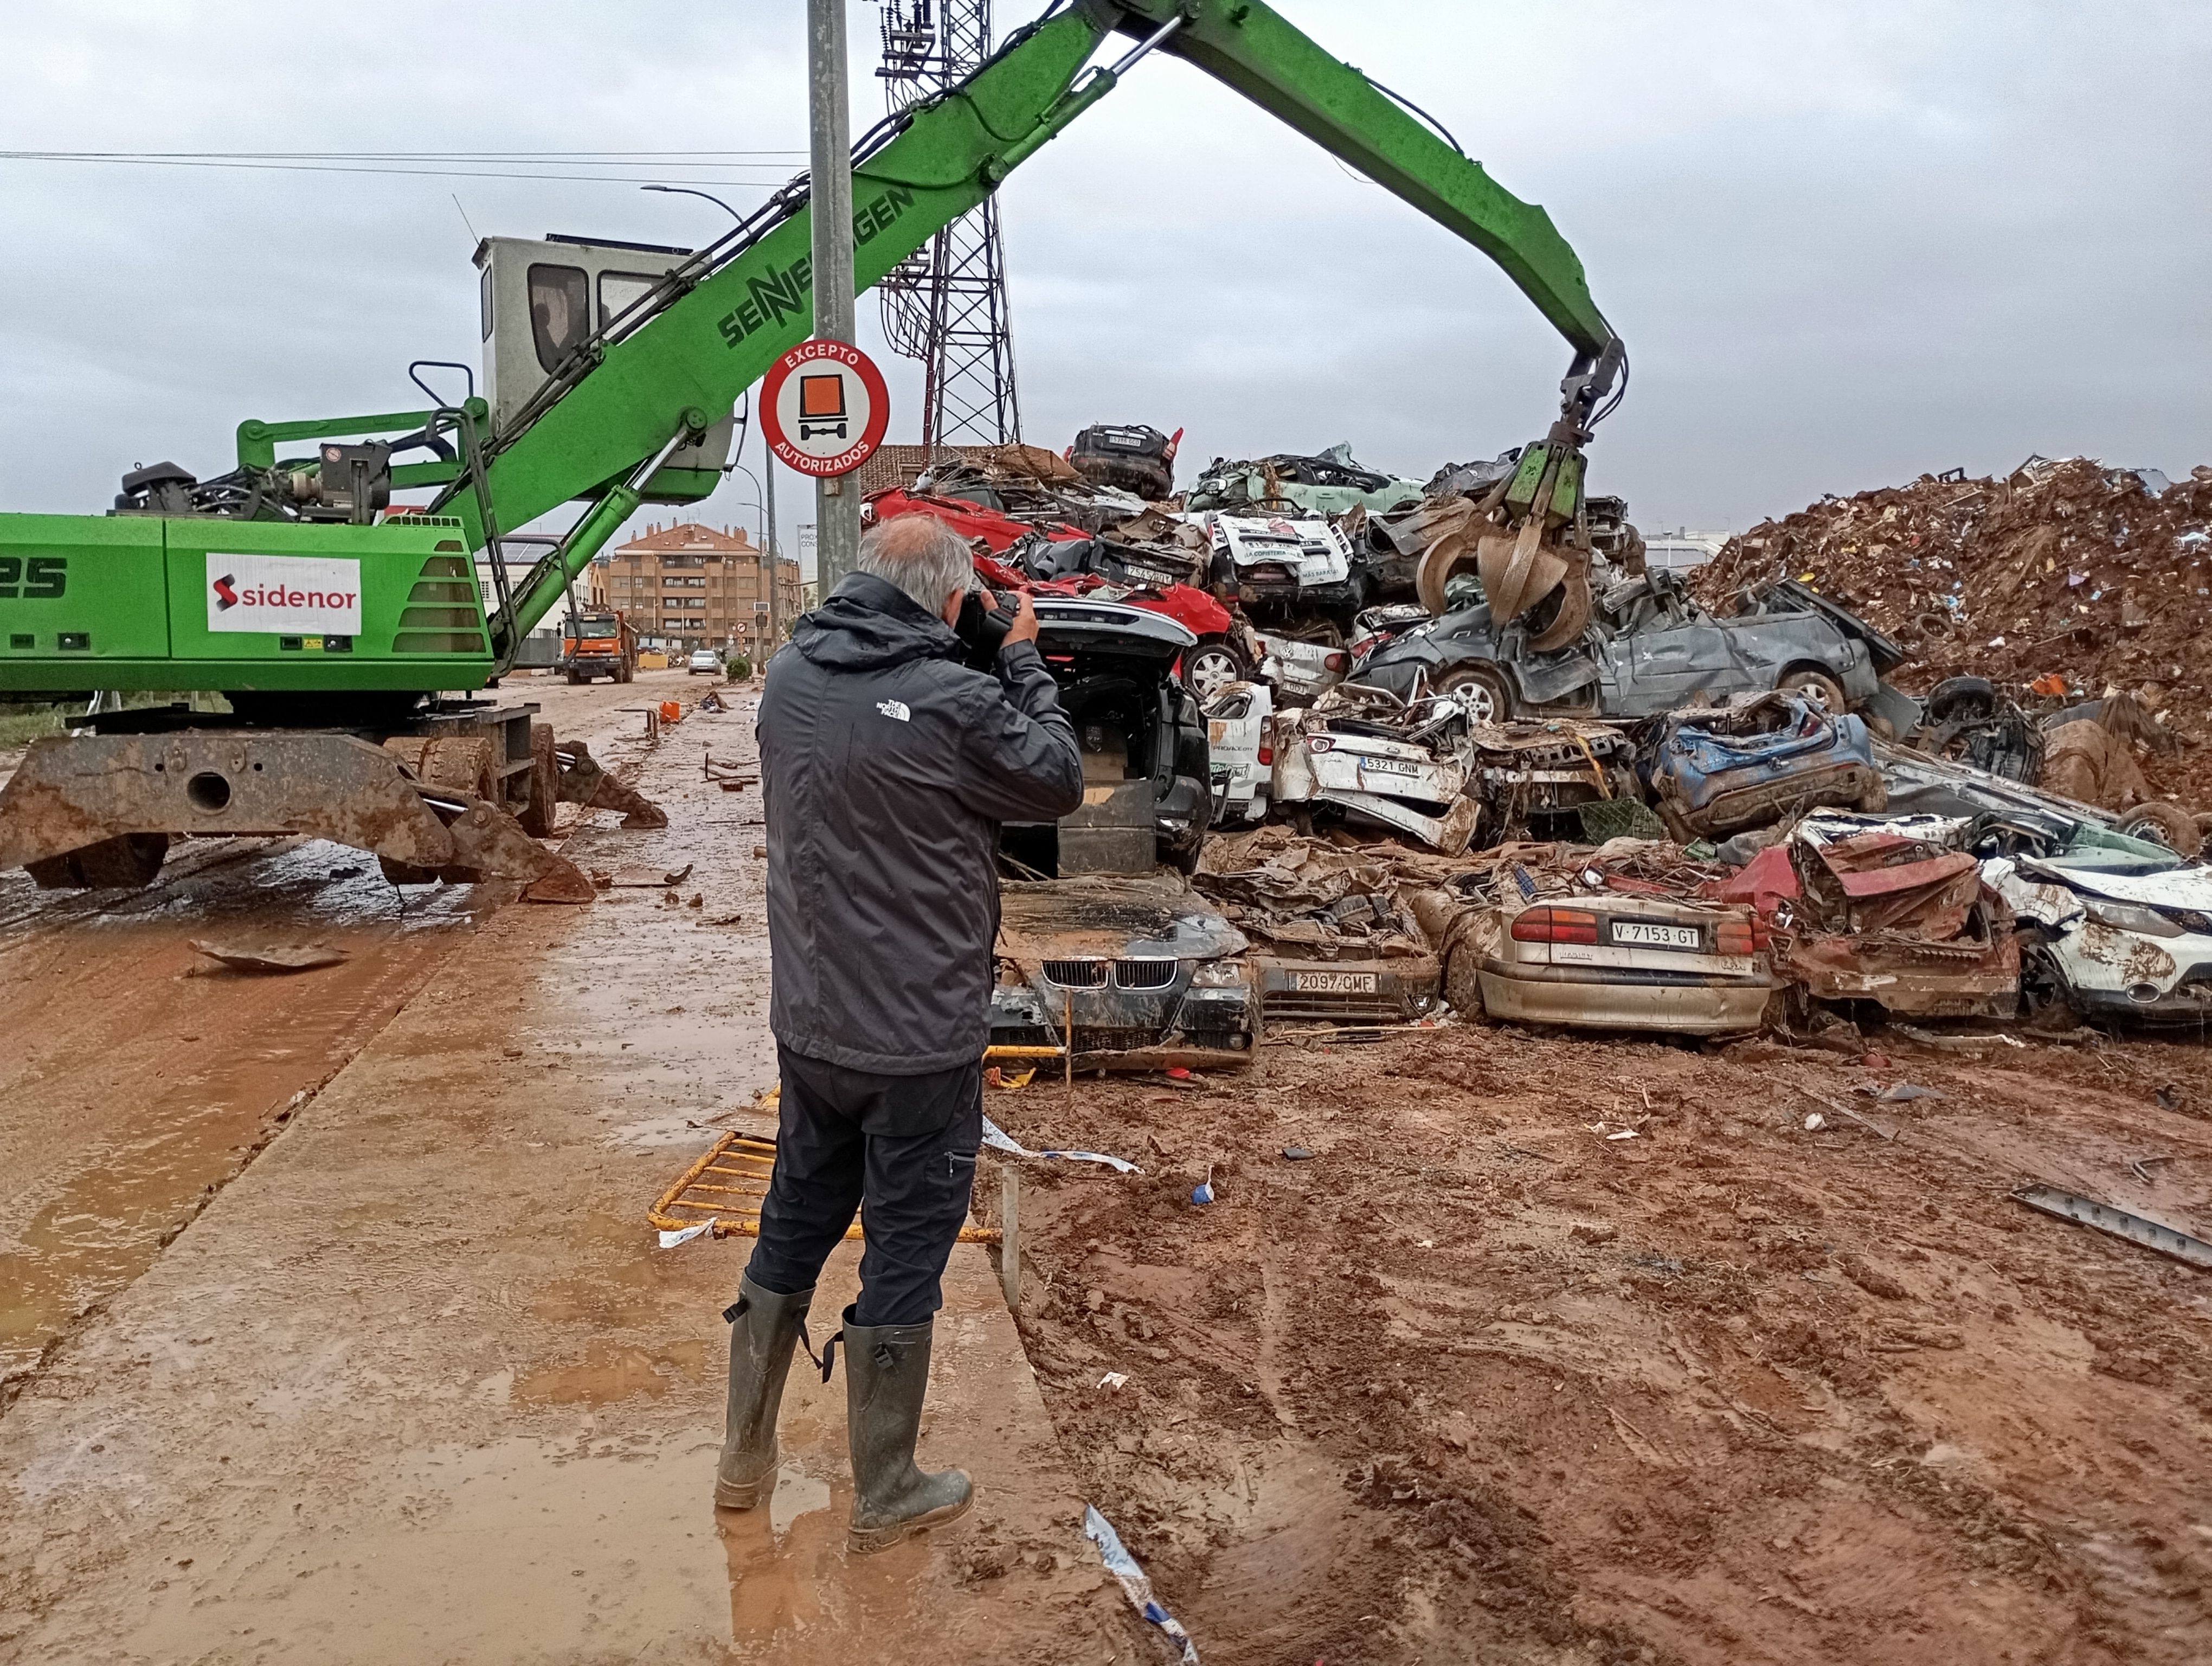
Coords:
686,586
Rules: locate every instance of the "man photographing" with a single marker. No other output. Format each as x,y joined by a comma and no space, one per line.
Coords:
887,766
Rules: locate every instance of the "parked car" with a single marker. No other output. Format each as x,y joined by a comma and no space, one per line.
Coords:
703,659
1144,759
1139,973
1650,649
1592,961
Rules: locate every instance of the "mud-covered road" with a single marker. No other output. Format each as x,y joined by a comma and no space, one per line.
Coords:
138,1077
405,1375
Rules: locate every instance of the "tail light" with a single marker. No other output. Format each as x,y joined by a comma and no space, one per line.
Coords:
1743,936
1359,649
1549,924
1337,662
1266,755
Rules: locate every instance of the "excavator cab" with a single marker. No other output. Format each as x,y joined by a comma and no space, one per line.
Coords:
543,301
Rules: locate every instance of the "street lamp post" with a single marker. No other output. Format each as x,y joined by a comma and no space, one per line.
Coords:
765,504
768,539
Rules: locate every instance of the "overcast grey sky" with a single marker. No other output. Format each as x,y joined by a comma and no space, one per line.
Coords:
1845,243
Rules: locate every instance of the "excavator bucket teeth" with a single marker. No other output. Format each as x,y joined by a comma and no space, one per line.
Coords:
584,781
1573,615
490,844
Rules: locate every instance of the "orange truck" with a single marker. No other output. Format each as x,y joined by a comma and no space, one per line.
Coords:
595,645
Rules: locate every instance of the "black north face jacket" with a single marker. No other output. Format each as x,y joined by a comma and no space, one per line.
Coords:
887,769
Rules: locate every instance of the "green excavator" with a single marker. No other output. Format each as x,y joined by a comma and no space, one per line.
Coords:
356,647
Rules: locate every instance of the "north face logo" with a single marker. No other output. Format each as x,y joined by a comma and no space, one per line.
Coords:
224,595
895,708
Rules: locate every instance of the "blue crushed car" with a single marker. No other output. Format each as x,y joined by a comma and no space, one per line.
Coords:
1710,771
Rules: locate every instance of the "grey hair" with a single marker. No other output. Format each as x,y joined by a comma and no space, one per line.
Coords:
921,556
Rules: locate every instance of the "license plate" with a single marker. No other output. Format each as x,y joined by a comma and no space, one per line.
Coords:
1652,935
1333,983
1390,766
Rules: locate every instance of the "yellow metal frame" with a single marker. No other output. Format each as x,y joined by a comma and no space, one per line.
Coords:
725,1188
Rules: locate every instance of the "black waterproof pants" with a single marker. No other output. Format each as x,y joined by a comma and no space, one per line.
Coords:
904,1147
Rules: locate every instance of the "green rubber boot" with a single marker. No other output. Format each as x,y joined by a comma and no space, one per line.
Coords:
886,1374
764,1326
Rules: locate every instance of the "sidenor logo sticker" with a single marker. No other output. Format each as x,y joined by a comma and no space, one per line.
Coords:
225,596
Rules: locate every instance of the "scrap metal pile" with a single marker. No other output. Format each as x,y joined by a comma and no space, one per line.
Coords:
2064,579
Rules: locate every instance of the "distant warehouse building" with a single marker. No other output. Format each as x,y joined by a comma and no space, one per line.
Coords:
1678,551
685,586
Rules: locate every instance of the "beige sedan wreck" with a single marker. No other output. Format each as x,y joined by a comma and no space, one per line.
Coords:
1604,961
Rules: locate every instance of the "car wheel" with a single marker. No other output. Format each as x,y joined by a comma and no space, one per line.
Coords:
2043,992
1213,665
2163,823
1966,699
1482,689
1823,689
1463,987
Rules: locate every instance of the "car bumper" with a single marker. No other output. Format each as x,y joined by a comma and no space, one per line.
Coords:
1125,1030
1602,998
1723,802
1394,991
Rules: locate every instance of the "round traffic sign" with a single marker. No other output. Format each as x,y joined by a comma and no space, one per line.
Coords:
824,408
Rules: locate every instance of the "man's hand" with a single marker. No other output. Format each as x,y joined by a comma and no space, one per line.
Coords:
1025,627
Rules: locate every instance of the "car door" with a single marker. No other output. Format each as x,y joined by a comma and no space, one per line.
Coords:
1678,656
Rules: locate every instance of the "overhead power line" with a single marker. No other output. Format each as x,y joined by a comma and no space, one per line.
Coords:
521,165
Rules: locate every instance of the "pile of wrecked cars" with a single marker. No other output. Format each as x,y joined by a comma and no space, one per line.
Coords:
1313,801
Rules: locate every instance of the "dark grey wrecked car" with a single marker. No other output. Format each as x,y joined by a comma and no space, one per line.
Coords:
1649,649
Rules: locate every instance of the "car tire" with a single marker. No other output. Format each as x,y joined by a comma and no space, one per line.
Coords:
2044,1003
1962,697
1463,985
2163,823
1212,666
1489,700
1821,686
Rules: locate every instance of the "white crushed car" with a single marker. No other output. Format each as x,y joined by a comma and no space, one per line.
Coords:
2119,937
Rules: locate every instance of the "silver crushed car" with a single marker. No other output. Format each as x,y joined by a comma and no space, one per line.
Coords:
1650,649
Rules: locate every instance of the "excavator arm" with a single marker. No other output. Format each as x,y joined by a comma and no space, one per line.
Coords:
663,370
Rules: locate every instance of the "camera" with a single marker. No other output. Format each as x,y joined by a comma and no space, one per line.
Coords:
982,630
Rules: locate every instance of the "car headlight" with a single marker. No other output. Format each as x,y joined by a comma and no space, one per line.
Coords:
1217,975
2130,917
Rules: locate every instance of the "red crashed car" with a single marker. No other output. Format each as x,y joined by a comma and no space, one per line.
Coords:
1220,657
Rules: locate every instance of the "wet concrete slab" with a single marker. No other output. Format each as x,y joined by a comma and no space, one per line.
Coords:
420,1385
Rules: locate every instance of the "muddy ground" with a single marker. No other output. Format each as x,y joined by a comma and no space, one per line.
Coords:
404,1375
1476,1382
400,1373
139,1077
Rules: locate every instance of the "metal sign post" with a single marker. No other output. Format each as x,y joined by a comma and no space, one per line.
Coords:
836,506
